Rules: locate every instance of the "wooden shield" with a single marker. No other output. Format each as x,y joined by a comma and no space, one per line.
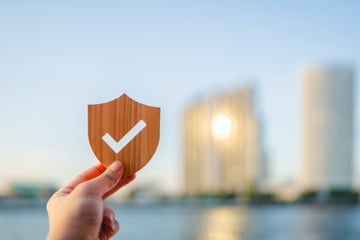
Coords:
124,130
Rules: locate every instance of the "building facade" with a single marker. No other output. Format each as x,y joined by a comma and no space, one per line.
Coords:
328,127
222,149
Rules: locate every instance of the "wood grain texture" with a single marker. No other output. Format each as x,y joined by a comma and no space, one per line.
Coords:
116,118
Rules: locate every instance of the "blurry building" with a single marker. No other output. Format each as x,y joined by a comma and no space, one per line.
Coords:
31,190
328,127
222,147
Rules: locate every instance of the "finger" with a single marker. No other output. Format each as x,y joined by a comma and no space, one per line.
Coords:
106,181
88,174
115,227
109,231
120,184
108,216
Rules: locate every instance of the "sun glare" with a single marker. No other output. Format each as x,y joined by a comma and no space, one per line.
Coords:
221,127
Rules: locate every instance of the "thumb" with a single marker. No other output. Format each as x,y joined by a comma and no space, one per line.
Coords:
107,180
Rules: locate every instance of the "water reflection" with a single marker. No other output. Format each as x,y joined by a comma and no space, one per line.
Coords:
296,222
222,223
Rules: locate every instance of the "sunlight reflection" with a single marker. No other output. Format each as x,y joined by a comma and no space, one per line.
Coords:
222,223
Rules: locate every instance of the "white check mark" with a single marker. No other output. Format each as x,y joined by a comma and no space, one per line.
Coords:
118,146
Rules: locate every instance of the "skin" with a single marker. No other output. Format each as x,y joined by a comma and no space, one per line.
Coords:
77,210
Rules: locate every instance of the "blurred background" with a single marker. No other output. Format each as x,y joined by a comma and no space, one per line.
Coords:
259,105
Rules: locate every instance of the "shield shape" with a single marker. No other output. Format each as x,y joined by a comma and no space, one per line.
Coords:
124,130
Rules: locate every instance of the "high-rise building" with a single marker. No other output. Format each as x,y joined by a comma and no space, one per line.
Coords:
328,127
222,148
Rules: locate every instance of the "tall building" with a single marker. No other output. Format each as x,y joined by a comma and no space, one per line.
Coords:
222,148
328,127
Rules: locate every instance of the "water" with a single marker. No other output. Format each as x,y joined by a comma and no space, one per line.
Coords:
206,222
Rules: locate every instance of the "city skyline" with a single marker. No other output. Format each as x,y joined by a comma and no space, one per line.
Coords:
59,57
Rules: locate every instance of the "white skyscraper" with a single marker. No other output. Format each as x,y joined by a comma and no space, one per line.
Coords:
328,127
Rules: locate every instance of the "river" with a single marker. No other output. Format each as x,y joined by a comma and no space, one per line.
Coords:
206,222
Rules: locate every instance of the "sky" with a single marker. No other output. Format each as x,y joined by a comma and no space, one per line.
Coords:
57,57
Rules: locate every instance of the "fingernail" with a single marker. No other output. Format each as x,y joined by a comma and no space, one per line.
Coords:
116,166
111,217
113,226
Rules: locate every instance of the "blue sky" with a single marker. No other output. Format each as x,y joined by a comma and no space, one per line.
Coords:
57,57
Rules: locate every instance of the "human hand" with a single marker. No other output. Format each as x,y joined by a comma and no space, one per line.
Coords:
77,210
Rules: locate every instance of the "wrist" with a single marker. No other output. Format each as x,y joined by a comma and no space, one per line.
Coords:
67,236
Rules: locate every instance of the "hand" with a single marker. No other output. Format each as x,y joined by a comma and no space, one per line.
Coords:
77,211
